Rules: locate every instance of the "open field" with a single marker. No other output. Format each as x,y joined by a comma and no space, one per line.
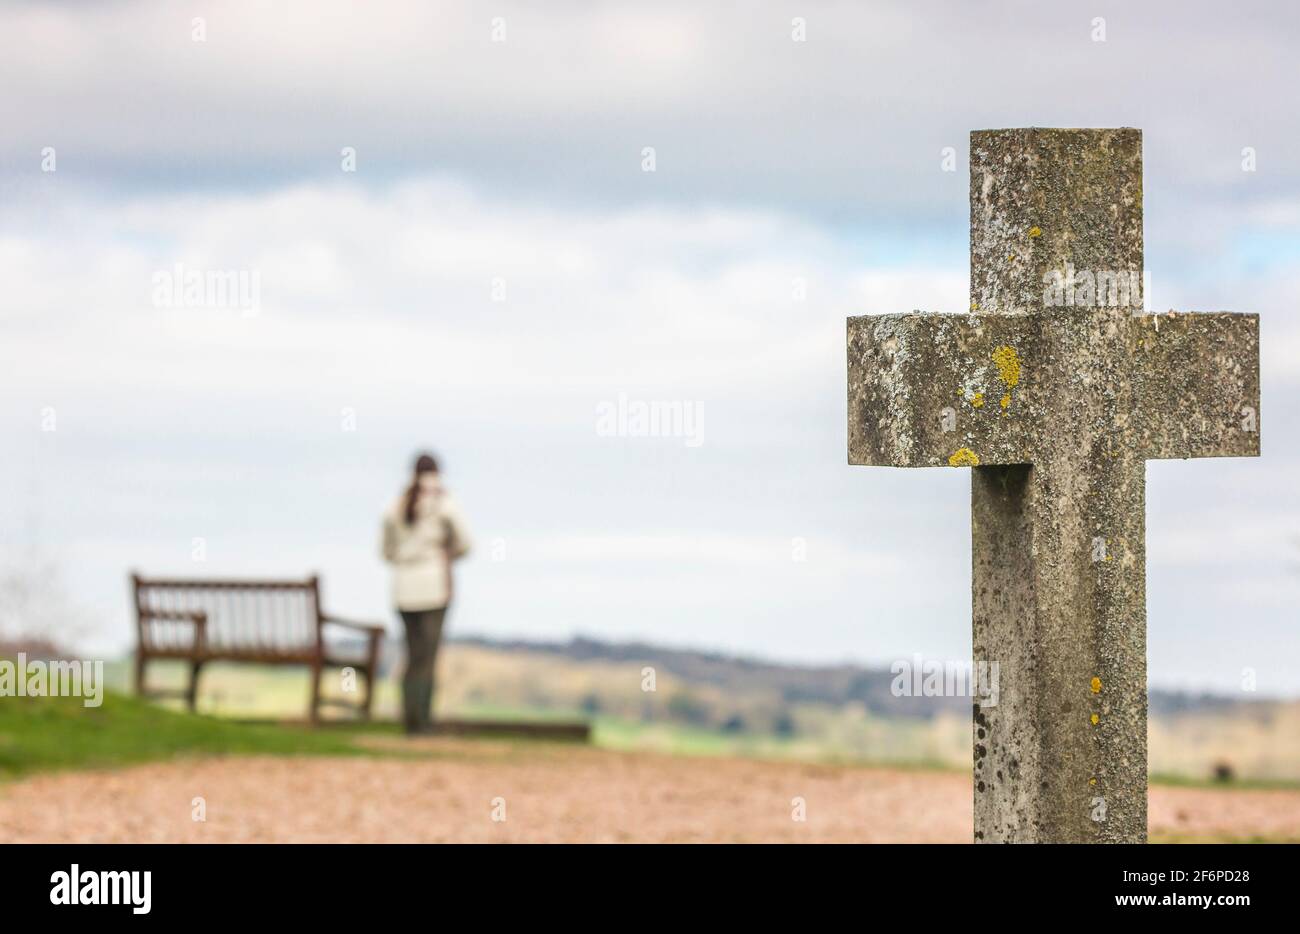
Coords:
730,708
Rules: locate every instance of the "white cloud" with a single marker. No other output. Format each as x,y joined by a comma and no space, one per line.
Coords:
361,289
849,123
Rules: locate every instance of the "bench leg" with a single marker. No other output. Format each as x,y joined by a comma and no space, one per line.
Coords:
314,712
372,669
192,695
140,661
368,698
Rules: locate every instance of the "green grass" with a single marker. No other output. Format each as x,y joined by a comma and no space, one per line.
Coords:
40,734
679,740
1237,784
1216,838
480,710
47,733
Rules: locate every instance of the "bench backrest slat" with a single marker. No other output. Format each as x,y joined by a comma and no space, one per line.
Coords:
244,616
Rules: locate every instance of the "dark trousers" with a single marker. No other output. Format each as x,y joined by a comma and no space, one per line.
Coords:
423,633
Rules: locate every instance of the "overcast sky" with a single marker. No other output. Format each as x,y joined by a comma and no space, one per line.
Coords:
499,265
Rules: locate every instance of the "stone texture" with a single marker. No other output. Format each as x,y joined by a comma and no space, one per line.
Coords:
924,386
1041,198
1056,406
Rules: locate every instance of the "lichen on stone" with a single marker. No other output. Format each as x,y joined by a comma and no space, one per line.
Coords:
1008,362
964,457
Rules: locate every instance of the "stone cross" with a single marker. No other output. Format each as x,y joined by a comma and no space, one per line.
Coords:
1056,389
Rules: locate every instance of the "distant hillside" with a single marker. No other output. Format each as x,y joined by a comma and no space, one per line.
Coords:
833,684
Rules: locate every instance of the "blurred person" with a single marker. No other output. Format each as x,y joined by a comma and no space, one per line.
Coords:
423,534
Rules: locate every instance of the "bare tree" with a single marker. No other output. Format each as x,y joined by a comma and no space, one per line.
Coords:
34,603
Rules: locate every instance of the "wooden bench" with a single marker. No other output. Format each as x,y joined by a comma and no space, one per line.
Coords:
259,622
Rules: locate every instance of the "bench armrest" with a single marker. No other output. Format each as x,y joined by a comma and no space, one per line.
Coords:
197,617
353,624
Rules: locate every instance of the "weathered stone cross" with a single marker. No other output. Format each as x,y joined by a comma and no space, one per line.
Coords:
1056,389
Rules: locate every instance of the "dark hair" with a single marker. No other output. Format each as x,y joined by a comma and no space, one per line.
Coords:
423,464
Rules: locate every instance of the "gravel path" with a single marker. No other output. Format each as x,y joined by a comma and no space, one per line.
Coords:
551,793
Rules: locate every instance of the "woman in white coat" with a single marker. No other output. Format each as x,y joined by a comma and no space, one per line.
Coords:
423,534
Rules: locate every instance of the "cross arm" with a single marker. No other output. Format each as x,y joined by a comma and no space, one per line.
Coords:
929,390
1200,384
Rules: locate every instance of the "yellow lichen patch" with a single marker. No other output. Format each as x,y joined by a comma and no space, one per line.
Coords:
1095,719
1035,232
1005,400
1008,362
974,306
964,457
1092,781
1095,684
977,400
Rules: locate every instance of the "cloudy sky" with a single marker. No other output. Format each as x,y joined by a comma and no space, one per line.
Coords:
499,264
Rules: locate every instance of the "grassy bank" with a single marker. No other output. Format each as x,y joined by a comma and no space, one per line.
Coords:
44,733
